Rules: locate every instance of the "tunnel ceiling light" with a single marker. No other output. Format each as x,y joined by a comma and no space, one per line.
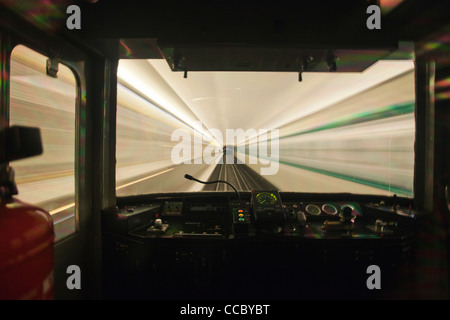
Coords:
269,100
140,76
265,100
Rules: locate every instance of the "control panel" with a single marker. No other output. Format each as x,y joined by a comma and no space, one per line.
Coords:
206,243
262,213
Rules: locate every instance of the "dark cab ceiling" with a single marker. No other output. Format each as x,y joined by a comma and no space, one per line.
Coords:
246,35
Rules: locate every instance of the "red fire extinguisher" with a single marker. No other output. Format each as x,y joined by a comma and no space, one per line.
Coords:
26,231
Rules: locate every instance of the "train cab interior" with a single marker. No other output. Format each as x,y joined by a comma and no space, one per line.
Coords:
238,150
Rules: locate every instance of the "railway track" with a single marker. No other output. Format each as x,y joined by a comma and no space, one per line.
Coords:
240,176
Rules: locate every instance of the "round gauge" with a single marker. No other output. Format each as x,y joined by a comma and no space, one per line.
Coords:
266,198
313,209
329,209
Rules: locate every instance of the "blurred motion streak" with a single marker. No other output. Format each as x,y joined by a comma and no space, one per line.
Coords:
339,132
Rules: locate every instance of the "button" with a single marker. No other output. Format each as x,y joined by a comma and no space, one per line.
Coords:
379,225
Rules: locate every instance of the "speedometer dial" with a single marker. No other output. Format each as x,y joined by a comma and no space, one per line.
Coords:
329,209
266,198
313,209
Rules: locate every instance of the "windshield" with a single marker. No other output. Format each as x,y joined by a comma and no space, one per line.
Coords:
331,132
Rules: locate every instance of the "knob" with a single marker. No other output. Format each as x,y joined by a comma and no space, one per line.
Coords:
346,214
292,214
379,225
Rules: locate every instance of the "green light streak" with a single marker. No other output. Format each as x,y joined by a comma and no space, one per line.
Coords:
381,113
375,184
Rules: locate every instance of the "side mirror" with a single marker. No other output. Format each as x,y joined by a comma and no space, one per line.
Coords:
16,142
19,142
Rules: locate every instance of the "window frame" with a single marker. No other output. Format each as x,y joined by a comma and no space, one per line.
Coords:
62,236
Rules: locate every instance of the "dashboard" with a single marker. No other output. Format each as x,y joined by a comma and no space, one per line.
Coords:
263,213
267,244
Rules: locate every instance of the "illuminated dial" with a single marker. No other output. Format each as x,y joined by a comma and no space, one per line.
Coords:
313,209
329,209
266,198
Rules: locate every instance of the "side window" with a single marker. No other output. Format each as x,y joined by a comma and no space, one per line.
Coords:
38,100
